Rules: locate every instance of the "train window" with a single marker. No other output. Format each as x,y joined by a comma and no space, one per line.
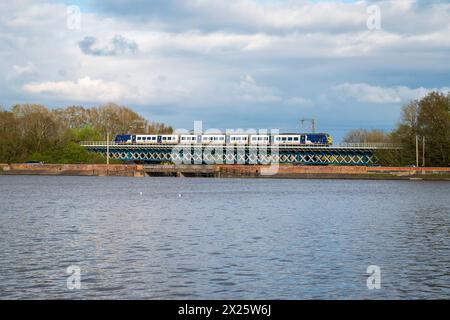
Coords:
139,138
295,138
290,139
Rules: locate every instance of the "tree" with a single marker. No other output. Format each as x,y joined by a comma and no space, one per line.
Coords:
38,127
73,116
87,133
434,124
428,117
156,127
115,119
365,136
10,147
33,132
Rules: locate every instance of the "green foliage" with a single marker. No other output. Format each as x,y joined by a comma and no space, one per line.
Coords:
429,118
33,132
390,157
68,153
87,133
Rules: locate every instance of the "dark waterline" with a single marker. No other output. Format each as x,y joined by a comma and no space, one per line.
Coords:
223,238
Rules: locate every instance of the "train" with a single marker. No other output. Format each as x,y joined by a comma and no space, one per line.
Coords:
285,139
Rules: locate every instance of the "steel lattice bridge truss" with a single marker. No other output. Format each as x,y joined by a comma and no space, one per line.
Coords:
342,154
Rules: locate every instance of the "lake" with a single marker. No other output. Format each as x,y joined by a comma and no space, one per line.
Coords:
205,238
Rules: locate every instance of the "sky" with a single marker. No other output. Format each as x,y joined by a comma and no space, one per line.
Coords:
248,64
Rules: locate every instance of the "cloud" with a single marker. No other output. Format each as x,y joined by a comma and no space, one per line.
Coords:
21,70
118,45
299,102
84,89
241,15
249,90
280,16
363,92
227,61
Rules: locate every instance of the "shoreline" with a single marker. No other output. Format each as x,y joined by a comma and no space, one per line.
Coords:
231,171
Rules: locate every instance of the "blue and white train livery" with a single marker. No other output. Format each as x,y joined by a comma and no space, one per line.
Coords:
285,139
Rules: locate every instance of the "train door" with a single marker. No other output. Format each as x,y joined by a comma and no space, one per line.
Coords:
199,138
159,139
133,139
302,139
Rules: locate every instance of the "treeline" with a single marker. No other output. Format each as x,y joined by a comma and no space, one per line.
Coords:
31,132
427,118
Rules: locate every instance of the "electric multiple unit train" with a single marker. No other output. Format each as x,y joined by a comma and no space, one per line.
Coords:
294,139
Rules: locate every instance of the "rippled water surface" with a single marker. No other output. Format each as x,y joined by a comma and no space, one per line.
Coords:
223,238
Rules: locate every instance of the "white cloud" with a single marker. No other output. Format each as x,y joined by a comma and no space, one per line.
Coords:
20,70
299,102
84,89
363,92
193,56
249,90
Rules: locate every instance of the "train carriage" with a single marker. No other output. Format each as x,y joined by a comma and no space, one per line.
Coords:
190,139
237,139
216,139
284,139
259,139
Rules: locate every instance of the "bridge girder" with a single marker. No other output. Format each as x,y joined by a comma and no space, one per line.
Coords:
239,155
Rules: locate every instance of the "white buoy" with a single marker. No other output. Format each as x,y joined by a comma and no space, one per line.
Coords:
180,195
140,193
